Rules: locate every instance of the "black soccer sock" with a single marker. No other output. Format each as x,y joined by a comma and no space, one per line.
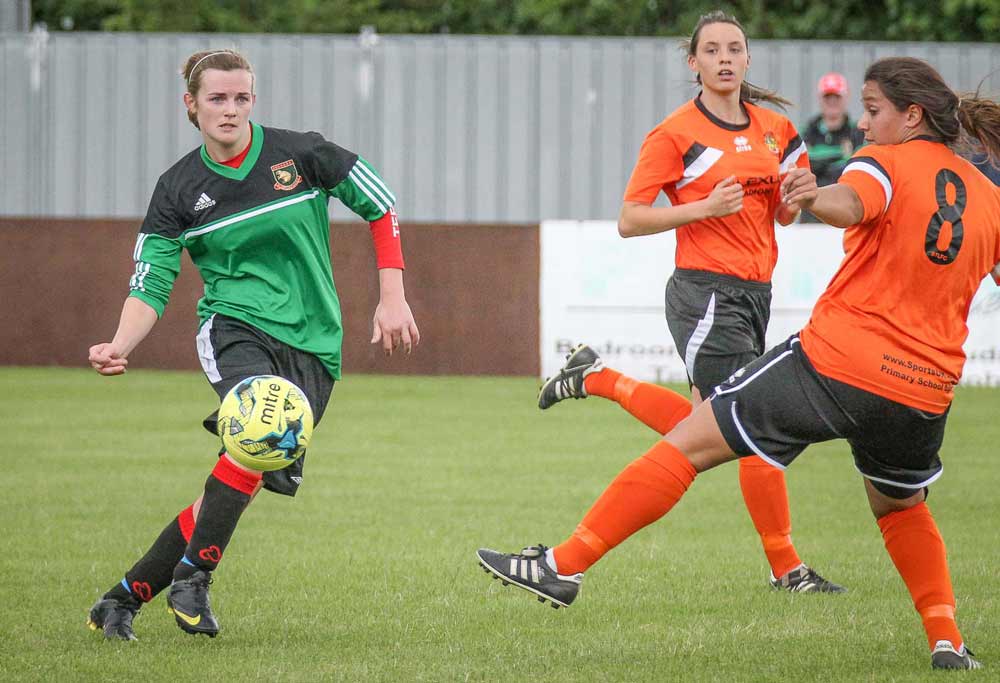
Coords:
154,570
228,491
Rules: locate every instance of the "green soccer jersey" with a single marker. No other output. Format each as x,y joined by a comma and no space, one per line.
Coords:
259,235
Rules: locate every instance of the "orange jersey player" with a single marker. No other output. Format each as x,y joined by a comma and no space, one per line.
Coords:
906,344
720,159
693,151
875,365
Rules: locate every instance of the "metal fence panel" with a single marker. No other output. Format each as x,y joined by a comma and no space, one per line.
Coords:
464,128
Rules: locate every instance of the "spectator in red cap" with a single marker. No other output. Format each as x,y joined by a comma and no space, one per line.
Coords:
831,136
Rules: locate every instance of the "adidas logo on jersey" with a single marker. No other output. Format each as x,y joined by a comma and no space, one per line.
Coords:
742,144
204,202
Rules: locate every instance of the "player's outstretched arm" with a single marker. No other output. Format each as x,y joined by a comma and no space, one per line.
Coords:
837,205
638,219
137,319
393,324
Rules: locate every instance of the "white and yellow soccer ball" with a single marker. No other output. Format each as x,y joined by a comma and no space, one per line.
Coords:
265,422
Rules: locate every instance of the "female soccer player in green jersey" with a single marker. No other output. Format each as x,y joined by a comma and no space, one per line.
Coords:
250,208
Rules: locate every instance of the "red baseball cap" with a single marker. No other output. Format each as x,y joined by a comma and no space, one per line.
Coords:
832,84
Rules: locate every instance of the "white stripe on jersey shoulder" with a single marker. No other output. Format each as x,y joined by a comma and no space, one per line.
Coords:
789,163
138,280
252,214
876,173
370,172
363,185
699,166
137,252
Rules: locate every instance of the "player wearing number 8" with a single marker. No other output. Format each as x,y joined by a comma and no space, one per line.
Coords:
877,362
923,233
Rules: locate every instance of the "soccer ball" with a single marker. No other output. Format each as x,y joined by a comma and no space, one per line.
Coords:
265,422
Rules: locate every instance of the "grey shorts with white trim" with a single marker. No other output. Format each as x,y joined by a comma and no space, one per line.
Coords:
779,404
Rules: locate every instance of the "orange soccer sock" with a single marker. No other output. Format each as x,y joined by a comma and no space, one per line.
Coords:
917,549
766,498
657,407
642,493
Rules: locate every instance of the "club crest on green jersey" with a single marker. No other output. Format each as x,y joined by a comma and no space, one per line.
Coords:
286,176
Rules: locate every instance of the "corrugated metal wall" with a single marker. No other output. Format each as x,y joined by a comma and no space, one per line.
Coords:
464,128
15,15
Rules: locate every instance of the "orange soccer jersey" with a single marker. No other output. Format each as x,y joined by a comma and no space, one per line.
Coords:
690,152
893,319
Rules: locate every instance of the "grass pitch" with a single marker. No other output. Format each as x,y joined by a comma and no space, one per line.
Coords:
369,574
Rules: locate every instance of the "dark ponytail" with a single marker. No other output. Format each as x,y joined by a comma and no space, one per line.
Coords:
980,117
951,118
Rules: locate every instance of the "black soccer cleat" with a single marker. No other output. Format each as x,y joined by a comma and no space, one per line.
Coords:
114,617
802,579
945,656
568,382
188,602
530,570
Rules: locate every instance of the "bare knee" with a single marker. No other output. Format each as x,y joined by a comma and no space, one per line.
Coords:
698,437
883,505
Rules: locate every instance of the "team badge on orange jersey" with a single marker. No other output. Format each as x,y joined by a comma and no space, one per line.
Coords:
286,176
771,143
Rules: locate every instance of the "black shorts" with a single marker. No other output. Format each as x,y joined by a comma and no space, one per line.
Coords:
718,323
231,350
779,404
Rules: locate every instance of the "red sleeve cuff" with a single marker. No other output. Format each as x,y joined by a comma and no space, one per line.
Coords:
385,237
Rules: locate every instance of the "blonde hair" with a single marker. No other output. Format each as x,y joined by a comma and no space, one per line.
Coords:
224,60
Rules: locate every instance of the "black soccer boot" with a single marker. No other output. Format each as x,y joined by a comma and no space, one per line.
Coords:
946,656
568,382
530,570
114,617
188,601
802,579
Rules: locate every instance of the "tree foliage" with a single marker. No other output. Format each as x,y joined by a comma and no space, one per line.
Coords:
943,20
